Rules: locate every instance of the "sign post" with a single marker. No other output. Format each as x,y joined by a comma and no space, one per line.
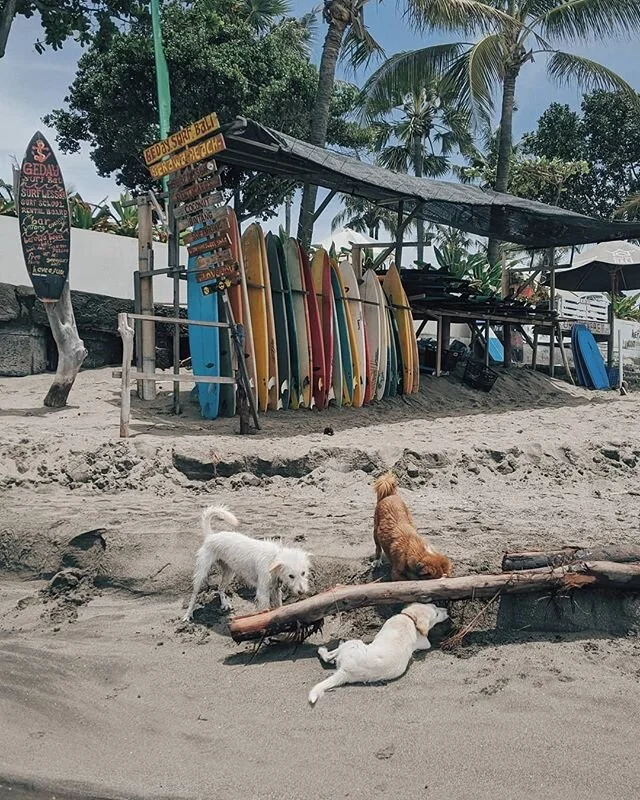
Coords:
45,233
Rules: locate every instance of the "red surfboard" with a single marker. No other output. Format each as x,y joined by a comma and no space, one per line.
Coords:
318,347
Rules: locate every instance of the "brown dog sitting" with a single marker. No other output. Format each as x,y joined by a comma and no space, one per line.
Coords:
410,555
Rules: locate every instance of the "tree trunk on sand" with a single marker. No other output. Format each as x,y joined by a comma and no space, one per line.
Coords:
602,574
7,15
417,159
71,349
505,146
320,113
570,555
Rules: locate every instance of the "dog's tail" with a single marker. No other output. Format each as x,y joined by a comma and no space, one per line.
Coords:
221,513
339,678
385,485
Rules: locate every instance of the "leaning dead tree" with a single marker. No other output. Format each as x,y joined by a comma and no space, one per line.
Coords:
45,233
306,614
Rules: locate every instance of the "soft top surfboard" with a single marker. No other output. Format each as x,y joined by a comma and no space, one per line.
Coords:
204,343
592,359
279,318
345,344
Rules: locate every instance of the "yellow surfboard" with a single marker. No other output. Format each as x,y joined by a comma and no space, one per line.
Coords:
358,388
264,340
401,310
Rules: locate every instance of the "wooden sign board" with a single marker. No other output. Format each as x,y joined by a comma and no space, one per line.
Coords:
194,190
190,174
188,209
208,215
191,155
210,245
214,260
43,215
185,136
219,279
215,229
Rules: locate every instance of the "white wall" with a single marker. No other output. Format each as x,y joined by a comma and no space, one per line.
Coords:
101,263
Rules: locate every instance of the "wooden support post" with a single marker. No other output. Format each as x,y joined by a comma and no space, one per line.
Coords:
399,235
439,347
147,344
534,357
563,353
591,574
137,327
445,334
552,303
612,319
487,332
356,260
506,344
71,349
243,380
173,260
126,332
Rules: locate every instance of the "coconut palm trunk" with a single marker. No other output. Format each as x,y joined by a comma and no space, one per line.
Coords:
7,14
417,147
338,18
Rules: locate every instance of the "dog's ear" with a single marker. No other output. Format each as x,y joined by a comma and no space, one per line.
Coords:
419,620
276,567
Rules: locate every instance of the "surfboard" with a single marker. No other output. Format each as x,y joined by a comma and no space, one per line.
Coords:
346,355
204,343
279,318
577,358
299,301
292,326
336,389
376,326
401,313
395,355
357,396
594,368
354,306
321,273
239,299
259,295
319,385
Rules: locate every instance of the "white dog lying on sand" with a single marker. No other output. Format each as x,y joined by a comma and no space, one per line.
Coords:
388,655
263,564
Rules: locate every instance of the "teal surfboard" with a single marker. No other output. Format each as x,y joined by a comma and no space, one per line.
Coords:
204,343
343,331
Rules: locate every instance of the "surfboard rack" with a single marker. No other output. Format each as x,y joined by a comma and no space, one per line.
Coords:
127,375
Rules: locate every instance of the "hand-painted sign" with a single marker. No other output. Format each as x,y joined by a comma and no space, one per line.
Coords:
190,174
210,245
198,152
43,214
208,215
215,259
222,226
188,209
194,131
219,279
194,190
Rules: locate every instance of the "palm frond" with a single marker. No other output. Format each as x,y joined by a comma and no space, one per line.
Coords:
394,157
359,46
262,13
577,20
467,16
588,75
630,209
400,74
476,73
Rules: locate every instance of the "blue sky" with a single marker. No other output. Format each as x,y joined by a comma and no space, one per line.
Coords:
32,84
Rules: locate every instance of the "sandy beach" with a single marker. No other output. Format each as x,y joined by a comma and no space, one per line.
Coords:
105,694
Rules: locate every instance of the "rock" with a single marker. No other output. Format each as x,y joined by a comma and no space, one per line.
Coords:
611,453
412,471
23,350
64,580
9,306
249,479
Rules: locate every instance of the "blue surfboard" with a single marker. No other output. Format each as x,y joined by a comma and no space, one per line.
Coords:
577,358
594,367
345,347
204,343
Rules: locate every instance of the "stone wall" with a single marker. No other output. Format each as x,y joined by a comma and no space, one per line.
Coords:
27,346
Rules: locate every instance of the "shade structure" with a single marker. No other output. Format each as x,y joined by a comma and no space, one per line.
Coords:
254,147
609,266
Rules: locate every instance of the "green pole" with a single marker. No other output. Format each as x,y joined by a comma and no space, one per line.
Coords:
162,77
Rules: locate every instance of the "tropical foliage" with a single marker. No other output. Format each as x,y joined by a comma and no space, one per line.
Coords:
509,37
626,306
220,55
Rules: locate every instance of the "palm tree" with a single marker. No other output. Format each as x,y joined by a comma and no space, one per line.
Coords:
7,200
262,13
347,37
430,128
365,217
513,33
630,209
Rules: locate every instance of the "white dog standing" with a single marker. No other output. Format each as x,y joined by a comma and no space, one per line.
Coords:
264,565
388,655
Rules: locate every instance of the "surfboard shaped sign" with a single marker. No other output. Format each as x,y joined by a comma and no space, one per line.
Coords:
43,216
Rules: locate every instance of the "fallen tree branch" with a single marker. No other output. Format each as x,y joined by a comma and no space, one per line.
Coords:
604,574
536,559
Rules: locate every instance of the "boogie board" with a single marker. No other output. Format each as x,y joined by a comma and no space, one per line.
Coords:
594,368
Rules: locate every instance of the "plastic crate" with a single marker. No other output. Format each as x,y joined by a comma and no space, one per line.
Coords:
448,362
478,376
613,373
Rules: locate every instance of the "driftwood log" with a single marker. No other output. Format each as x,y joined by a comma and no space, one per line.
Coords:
601,574
536,559
71,349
